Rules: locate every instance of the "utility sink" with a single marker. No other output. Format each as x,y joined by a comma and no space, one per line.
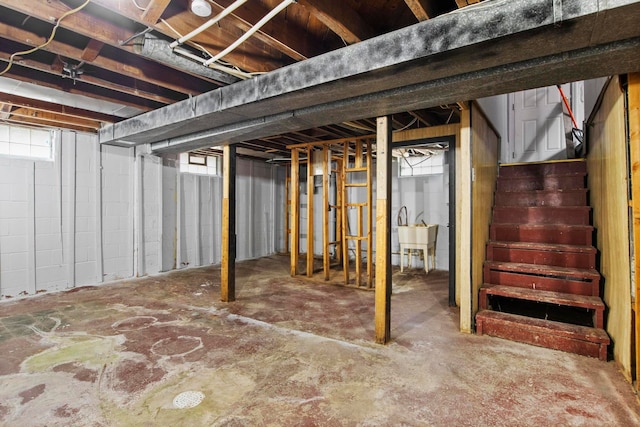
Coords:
421,237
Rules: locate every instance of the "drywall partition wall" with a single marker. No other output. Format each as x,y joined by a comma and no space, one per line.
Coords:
608,187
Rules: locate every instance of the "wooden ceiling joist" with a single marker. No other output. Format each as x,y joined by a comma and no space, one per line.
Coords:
341,19
91,51
34,104
127,64
422,9
54,118
153,11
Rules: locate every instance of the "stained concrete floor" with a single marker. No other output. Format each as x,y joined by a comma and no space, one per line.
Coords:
287,353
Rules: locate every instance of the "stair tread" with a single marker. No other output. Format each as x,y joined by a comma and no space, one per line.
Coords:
567,330
559,190
529,225
560,298
543,269
536,174
557,247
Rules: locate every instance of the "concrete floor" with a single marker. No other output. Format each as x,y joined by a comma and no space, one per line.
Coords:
288,353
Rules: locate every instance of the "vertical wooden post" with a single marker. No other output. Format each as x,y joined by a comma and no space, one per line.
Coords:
310,211
295,210
345,213
339,209
383,231
287,210
634,148
464,165
369,215
228,269
326,161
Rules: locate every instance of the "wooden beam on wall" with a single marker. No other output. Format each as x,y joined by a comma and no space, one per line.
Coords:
310,187
228,268
463,221
383,231
326,163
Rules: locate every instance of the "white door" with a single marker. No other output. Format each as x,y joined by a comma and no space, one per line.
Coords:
538,125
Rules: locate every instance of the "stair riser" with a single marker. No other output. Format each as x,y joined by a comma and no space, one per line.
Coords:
532,198
521,333
540,215
542,283
514,233
552,182
533,169
560,259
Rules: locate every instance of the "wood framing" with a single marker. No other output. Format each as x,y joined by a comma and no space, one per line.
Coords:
463,222
634,149
295,210
228,268
383,232
310,188
325,212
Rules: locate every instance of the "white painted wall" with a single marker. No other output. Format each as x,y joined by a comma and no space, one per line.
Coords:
100,213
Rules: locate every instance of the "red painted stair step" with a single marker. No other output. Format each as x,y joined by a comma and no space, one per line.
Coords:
543,233
545,182
543,277
553,198
575,339
582,301
571,215
542,254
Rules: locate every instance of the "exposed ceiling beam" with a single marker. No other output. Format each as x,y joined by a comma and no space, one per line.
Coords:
422,9
91,50
183,21
5,110
89,79
34,104
340,18
54,118
128,64
83,23
278,32
31,121
154,11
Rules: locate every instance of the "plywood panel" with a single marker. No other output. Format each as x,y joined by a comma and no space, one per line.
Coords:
608,186
485,152
634,150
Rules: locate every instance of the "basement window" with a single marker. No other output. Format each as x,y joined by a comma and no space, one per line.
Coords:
199,164
27,143
421,165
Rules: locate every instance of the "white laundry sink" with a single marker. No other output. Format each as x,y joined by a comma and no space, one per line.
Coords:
419,237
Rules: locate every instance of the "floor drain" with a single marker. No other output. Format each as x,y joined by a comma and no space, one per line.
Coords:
188,399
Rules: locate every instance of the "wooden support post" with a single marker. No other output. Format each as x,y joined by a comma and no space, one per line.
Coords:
383,231
345,213
228,269
295,210
325,211
369,215
310,212
339,209
287,210
634,148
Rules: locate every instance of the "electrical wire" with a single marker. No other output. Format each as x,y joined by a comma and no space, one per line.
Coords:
49,40
135,3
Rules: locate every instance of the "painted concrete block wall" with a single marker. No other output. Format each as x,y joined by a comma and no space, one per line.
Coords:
100,213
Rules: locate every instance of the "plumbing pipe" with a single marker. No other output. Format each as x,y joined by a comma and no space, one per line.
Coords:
251,31
208,24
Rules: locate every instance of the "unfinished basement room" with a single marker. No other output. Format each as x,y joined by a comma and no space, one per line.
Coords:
319,212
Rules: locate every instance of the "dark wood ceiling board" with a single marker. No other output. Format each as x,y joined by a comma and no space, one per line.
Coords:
130,66
383,15
286,35
97,27
217,37
50,117
34,104
80,88
48,67
341,19
252,55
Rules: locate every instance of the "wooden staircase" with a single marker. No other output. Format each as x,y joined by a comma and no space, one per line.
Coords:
540,282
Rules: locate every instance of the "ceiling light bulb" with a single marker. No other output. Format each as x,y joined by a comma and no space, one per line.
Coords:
201,8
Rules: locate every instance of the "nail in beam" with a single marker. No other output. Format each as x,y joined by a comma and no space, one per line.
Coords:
383,230
228,271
